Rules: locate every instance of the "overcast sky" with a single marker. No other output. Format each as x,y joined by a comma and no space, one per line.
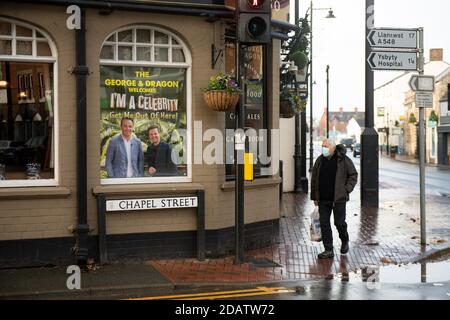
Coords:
340,43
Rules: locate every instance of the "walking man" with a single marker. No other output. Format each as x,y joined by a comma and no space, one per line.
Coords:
333,178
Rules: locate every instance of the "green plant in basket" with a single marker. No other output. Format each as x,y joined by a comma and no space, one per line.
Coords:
222,82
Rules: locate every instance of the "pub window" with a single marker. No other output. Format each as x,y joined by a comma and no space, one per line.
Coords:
145,100
255,105
41,87
27,133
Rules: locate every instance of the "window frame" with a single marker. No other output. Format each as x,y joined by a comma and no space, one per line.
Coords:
155,64
54,69
230,170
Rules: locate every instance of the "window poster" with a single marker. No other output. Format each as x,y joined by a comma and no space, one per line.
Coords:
143,122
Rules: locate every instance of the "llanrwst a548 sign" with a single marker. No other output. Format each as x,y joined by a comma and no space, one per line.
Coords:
393,38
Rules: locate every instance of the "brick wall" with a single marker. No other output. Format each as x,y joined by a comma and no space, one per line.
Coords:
53,216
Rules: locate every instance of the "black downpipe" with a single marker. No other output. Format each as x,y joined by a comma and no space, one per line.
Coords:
81,71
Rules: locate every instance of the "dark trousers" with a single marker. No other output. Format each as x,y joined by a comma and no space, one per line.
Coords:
325,208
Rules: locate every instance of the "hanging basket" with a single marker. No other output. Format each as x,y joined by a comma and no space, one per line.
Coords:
219,100
286,110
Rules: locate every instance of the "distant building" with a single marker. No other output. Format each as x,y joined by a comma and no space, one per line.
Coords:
397,116
443,128
342,124
355,127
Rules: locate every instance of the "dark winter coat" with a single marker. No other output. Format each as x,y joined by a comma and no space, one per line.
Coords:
346,176
162,156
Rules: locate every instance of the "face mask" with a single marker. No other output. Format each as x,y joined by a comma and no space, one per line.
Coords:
325,151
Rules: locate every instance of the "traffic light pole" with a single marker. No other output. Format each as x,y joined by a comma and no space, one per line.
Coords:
253,20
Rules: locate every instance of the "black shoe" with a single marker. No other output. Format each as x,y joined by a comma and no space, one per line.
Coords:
344,247
327,254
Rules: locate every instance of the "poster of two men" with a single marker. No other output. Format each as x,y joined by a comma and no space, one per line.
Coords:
143,113
126,159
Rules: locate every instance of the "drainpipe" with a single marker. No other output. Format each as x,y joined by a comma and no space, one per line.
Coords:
81,71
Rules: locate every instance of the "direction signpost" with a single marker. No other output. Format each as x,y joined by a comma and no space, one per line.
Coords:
393,38
393,60
402,49
424,100
422,83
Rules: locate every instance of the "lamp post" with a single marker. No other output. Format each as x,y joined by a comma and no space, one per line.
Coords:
311,147
300,180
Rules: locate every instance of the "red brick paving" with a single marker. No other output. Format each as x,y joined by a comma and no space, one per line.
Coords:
377,237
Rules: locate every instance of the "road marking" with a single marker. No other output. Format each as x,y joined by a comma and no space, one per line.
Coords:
221,294
263,293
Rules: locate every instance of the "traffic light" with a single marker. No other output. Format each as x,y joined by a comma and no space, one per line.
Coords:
253,21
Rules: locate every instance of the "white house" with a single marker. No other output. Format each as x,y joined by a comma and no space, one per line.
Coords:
389,101
355,127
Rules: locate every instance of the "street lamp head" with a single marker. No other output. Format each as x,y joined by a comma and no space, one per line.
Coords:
330,14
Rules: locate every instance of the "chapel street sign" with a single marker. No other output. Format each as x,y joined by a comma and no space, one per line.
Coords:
151,203
392,60
393,38
422,83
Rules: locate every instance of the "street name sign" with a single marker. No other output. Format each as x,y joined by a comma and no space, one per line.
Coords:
422,83
392,60
424,100
151,203
393,38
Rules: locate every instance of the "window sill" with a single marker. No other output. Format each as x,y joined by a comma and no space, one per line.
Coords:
34,192
255,184
167,188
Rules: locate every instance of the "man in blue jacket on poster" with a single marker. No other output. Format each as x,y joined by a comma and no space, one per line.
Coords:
124,156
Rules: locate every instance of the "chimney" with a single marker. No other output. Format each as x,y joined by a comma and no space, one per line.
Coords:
437,54
341,109
356,109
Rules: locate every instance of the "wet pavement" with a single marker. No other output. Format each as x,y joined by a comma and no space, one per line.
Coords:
384,243
388,235
428,281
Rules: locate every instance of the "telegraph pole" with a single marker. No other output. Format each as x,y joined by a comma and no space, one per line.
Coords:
369,137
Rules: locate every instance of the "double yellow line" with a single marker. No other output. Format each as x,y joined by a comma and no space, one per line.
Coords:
258,291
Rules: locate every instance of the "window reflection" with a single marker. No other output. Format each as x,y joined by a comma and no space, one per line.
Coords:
26,120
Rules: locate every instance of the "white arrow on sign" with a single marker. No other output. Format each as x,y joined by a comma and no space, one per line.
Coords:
422,83
393,38
424,100
392,60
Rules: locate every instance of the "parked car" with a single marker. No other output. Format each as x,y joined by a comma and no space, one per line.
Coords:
347,142
357,149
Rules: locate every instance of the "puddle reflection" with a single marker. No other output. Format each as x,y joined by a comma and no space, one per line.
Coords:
400,274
